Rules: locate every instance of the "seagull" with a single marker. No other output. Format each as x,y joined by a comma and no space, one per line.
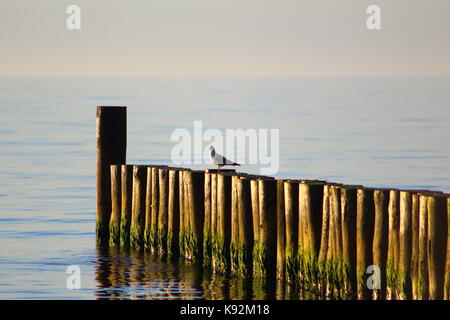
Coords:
220,160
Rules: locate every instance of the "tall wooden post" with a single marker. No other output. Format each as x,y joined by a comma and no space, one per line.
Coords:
111,136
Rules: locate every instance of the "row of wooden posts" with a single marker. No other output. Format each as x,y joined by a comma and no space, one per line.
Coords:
333,239
317,235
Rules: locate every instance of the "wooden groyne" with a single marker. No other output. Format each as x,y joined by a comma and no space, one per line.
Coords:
335,240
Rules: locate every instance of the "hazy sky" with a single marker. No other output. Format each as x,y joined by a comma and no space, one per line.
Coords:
225,38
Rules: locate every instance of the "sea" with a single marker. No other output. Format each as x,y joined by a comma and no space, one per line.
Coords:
378,132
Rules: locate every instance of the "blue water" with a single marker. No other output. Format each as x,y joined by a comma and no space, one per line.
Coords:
377,132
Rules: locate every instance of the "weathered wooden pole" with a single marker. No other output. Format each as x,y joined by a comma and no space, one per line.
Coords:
447,264
148,210
116,198
393,245
214,234
127,195
348,228
173,226
325,230
268,240
415,213
405,238
380,239
207,224
153,234
256,223
138,207
163,212
437,246
291,205
186,214
422,286
111,133
234,239
245,227
365,215
183,205
221,247
310,224
334,254
196,183
281,231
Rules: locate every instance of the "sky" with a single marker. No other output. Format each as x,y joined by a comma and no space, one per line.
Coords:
225,38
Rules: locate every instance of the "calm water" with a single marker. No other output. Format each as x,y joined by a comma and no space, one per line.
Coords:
376,132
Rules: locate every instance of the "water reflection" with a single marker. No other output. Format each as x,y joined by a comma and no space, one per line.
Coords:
125,274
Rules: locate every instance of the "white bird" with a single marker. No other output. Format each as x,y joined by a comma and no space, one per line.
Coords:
220,160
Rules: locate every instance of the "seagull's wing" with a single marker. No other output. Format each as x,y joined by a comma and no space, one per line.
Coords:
219,159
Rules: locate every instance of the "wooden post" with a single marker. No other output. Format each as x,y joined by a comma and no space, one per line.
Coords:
334,254
221,248
163,212
348,227
214,234
174,214
310,224
415,246
380,239
256,224
447,264
436,250
127,195
234,239
116,198
207,225
281,231
148,211
291,193
153,236
405,238
268,239
196,182
138,204
322,262
365,215
393,244
181,236
245,241
422,286
111,127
